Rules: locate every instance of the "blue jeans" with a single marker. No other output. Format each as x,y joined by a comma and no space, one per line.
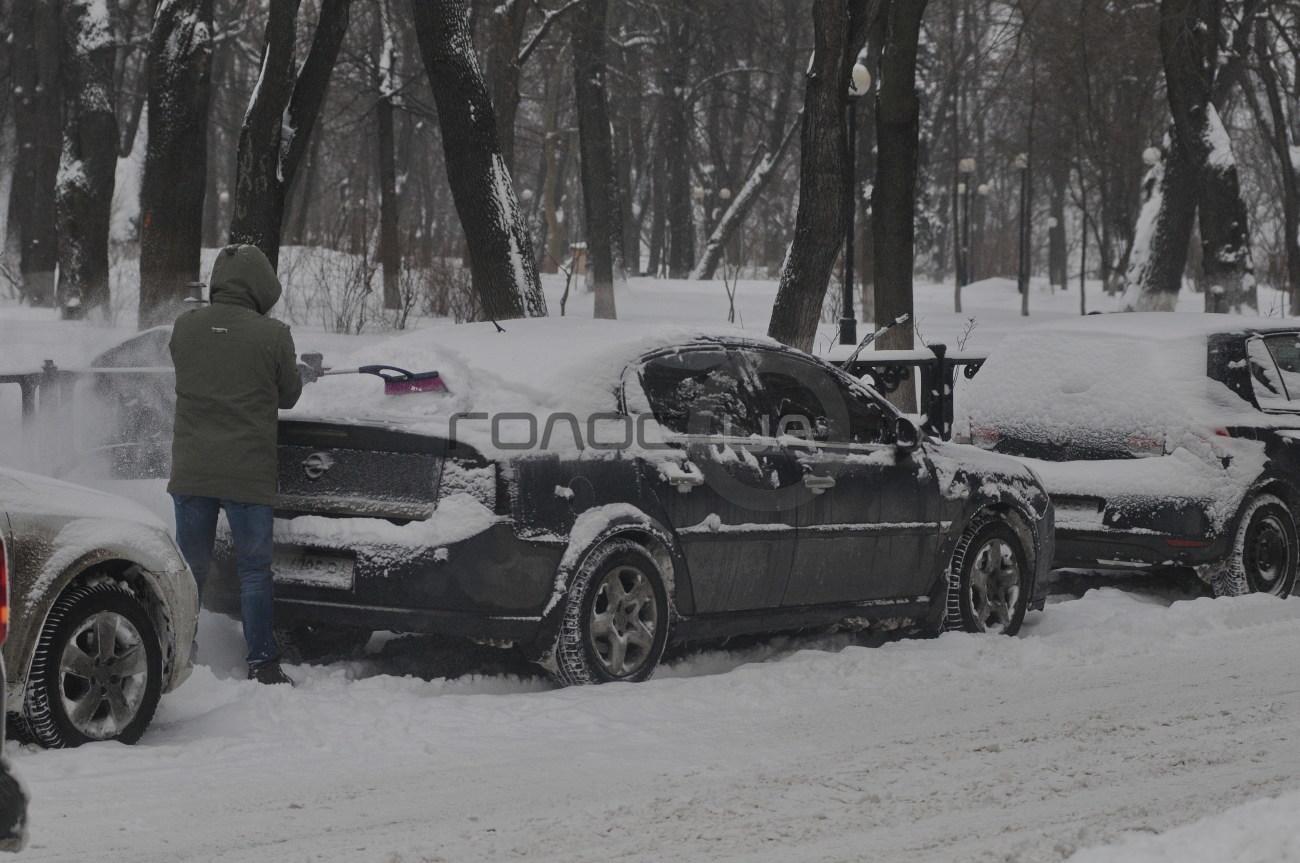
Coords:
251,528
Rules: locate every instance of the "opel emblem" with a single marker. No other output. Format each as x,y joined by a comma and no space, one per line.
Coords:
316,464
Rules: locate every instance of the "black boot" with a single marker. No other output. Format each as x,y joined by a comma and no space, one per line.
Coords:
269,673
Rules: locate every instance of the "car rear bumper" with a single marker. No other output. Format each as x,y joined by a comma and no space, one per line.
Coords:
1138,512
1137,532
492,585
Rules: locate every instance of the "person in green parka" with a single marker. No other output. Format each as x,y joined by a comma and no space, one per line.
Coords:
236,368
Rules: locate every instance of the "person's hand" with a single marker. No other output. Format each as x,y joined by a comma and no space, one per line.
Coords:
311,367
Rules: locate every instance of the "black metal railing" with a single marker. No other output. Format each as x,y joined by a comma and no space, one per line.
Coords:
138,402
889,370
43,390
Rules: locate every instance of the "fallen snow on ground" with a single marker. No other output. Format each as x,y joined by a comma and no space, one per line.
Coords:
1115,716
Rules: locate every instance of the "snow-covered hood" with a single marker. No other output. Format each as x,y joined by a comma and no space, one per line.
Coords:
39,495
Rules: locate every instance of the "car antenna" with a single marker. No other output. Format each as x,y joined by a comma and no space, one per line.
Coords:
871,337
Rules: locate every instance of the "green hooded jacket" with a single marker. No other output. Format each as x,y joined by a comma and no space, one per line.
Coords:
235,369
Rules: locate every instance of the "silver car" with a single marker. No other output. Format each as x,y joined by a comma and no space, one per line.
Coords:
103,612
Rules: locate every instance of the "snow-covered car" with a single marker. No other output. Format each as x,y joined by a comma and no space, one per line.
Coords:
588,490
104,612
1165,440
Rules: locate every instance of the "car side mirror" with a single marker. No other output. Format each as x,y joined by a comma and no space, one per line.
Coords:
907,435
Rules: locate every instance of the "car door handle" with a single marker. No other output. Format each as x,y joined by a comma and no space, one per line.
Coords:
685,478
817,483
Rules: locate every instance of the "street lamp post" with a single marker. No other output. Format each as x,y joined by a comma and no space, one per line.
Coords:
977,221
858,86
1022,164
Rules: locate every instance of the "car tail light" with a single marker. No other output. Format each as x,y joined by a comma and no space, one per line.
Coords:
4,590
984,437
1146,444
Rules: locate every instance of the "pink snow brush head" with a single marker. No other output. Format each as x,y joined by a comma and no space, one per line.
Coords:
430,382
400,382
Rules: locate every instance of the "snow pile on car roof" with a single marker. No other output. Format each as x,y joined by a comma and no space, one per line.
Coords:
1106,377
536,367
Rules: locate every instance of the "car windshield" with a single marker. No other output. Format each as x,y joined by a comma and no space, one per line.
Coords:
1275,370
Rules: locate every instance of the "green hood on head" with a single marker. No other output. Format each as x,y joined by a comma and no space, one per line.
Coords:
242,276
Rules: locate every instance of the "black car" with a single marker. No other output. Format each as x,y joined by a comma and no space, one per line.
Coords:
587,491
1165,440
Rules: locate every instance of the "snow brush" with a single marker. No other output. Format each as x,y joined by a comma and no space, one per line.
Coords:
397,381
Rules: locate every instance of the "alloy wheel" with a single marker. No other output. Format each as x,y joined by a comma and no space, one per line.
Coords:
623,619
994,584
103,674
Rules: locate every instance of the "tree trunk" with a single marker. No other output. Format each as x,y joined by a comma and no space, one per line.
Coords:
599,182
33,212
548,170
1189,44
1225,234
176,163
659,214
677,150
1058,263
819,222
1276,126
898,145
507,34
280,117
390,250
86,170
500,250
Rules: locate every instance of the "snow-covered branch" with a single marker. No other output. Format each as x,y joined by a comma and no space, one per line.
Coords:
540,33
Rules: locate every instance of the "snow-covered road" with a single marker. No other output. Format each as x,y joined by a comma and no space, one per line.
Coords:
1115,715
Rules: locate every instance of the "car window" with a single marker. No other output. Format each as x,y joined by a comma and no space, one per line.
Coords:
1285,351
699,392
808,401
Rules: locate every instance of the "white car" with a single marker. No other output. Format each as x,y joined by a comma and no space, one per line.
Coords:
104,611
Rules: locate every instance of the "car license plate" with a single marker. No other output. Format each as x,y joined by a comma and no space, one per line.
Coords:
314,569
1079,512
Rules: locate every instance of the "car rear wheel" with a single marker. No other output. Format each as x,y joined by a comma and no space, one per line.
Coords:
988,580
615,622
1265,554
97,670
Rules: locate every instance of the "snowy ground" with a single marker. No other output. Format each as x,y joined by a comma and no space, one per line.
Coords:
1115,717
1135,724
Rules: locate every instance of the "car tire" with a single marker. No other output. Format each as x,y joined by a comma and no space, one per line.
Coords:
74,657
1264,554
314,642
989,579
615,619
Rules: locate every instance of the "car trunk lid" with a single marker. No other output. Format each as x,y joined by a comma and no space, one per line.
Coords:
356,470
